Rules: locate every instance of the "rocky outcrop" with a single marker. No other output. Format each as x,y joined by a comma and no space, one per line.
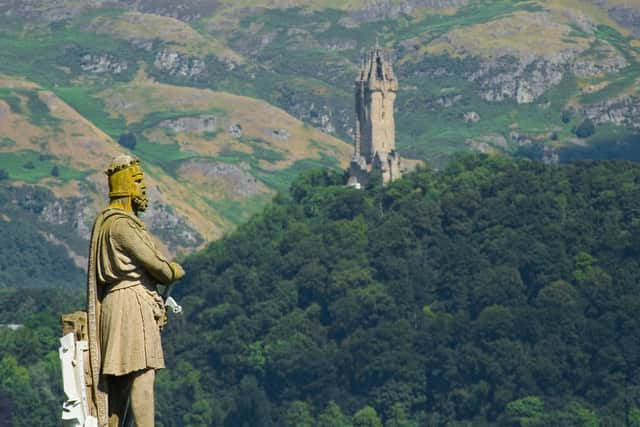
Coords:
471,117
177,64
517,79
322,116
237,179
525,79
203,123
172,229
49,11
624,111
374,10
143,44
628,16
278,134
72,213
602,58
102,63
235,130
488,143
448,100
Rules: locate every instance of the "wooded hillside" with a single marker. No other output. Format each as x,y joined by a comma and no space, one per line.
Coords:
497,292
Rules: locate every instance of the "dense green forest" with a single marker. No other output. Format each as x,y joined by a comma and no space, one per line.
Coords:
497,292
30,254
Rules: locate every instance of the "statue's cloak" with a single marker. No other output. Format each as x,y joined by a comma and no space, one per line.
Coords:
100,398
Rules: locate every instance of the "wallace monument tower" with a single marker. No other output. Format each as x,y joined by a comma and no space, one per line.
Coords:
374,135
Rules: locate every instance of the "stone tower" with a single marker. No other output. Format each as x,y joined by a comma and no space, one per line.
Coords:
374,138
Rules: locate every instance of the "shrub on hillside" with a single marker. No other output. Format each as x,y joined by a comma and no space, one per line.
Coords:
128,140
585,129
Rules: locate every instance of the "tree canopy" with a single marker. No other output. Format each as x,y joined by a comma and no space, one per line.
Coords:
496,292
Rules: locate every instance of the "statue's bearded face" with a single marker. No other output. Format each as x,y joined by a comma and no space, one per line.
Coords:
139,200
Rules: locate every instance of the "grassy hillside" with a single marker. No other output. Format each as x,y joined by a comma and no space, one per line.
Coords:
47,142
227,102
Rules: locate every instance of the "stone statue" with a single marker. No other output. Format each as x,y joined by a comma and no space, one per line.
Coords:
125,311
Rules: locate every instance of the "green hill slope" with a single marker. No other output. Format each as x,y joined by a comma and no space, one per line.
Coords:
226,102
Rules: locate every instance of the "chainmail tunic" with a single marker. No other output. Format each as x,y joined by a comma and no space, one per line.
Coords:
128,266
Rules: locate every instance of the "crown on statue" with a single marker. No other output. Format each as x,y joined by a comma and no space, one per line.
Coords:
121,173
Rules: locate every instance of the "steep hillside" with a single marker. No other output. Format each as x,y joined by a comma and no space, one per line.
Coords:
212,158
490,75
226,102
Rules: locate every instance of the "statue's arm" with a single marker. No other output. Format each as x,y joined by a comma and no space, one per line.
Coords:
136,244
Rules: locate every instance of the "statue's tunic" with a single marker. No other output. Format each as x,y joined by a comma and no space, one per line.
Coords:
128,266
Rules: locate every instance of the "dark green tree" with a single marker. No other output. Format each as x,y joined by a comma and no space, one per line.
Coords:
128,140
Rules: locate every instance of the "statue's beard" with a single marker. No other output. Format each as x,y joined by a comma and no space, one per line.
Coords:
139,203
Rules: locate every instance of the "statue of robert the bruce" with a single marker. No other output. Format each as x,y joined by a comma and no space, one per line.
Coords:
125,311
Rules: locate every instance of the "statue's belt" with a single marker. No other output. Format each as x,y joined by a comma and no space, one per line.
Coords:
124,284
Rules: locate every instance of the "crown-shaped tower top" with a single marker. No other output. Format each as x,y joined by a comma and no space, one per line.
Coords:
376,71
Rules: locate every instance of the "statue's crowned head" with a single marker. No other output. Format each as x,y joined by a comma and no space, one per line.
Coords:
126,180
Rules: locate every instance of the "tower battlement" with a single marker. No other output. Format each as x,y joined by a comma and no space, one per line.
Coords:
376,72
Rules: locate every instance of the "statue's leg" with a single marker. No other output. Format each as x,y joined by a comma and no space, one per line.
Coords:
119,388
142,403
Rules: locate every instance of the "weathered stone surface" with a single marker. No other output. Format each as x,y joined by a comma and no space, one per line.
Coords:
322,116
604,58
471,117
374,140
177,64
237,178
480,146
73,212
448,100
102,63
627,15
49,11
624,111
522,81
235,130
203,123
488,143
278,134
170,227
142,44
